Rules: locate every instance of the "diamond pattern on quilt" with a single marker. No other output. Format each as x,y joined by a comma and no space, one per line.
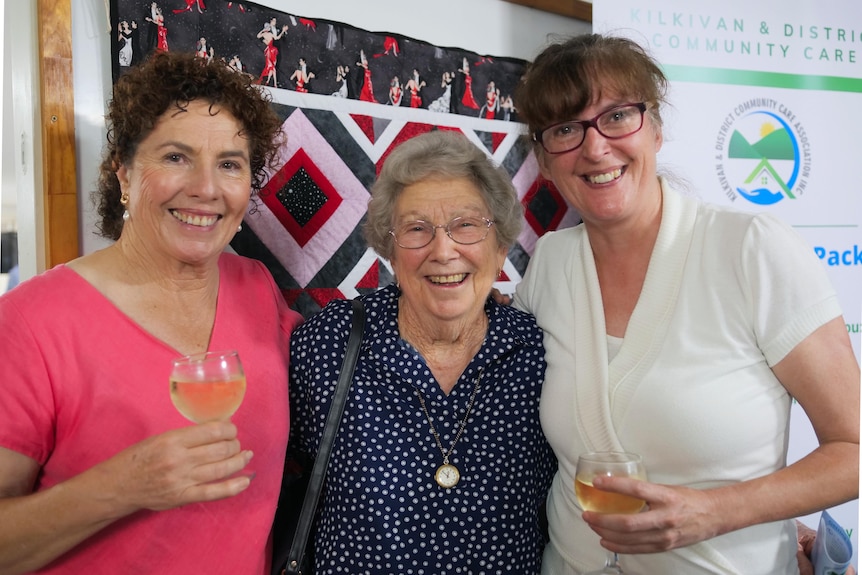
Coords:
544,208
301,197
304,232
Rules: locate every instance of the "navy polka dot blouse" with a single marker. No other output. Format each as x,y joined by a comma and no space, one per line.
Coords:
382,512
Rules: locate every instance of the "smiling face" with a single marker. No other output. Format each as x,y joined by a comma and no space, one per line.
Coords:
608,181
188,185
445,281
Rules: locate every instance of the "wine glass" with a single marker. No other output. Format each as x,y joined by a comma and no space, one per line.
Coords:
608,463
207,386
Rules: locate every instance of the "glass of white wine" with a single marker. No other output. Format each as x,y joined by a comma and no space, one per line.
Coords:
207,386
611,464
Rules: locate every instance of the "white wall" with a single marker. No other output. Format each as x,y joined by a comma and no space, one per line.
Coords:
91,68
23,207
491,27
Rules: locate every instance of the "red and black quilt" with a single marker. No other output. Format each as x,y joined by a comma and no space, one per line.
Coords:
347,97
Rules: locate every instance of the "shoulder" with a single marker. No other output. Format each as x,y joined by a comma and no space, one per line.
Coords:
559,241
521,324
43,290
763,253
740,235
334,317
731,229
53,308
249,275
381,302
555,252
726,217
380,307
248,281
237,266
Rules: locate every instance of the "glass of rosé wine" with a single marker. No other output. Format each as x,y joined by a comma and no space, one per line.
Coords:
207,386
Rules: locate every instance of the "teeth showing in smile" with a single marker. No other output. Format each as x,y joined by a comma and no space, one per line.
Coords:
202,221
452,279
605,178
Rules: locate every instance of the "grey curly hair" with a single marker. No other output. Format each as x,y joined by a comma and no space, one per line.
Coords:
440,154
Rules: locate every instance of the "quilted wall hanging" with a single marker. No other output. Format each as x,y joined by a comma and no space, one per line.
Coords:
346,97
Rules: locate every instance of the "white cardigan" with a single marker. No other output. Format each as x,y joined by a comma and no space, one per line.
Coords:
727,294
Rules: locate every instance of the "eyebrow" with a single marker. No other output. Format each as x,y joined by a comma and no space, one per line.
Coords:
414,216
189,149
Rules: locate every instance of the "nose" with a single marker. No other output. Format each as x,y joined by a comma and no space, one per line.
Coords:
595,145
203,183
442,246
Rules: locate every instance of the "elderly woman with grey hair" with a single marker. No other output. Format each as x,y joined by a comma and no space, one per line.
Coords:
440,464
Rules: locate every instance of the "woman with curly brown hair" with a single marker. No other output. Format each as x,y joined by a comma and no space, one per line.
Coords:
98,472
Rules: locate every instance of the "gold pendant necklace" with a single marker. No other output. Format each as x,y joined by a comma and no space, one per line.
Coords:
447,475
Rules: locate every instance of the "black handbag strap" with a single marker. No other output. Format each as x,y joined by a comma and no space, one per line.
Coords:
333,420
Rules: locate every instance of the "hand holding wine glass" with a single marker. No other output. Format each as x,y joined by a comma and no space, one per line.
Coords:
207,386
608,463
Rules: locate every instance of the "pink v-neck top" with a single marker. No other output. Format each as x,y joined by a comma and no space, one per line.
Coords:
81,381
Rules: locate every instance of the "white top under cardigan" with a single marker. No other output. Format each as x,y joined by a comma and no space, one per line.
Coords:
726,296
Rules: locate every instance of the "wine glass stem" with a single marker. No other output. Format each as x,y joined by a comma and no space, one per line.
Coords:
612,562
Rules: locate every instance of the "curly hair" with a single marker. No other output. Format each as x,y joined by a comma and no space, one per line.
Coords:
440,154
569,75
143,95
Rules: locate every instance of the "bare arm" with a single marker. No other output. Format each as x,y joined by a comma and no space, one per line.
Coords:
169,470
823,375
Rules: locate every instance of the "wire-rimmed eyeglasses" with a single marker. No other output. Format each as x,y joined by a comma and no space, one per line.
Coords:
462,230
615,123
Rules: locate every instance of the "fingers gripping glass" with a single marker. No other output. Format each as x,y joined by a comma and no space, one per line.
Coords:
618,122
418,234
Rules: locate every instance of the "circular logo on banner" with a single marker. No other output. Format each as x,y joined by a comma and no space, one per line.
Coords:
763,153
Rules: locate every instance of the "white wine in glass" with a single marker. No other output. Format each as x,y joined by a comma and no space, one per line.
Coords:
611,464
207,386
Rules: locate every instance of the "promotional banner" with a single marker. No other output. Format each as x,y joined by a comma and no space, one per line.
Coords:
763,117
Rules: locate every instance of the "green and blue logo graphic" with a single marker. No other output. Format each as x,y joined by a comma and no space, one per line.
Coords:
763,153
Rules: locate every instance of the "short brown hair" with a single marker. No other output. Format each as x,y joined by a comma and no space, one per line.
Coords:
569,75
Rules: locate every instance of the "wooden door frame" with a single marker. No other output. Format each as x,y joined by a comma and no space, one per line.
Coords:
571,8
59,168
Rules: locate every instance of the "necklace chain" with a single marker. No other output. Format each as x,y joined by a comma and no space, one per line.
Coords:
436,435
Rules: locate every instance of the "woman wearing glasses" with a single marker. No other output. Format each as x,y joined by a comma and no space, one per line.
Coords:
440,464
679,331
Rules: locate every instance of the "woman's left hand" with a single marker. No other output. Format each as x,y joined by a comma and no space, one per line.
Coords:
676,517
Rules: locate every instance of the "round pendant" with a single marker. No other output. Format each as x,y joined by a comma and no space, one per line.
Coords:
447,476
